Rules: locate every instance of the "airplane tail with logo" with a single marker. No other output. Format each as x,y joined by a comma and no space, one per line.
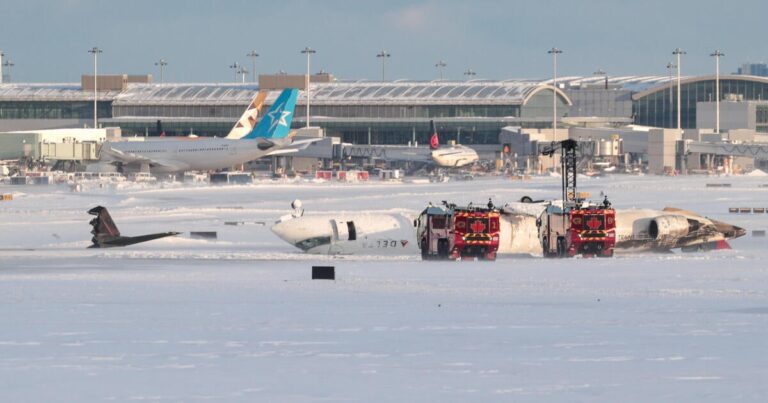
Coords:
276,123
434,142
247,122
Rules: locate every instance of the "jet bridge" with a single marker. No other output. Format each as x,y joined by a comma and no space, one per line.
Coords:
751,150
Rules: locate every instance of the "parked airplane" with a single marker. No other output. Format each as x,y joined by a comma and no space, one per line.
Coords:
636,231
269,137
454,156
106,234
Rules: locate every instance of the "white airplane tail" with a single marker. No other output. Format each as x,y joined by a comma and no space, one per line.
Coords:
247,122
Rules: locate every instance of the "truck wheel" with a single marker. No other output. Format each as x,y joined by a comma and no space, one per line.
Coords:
561,250
606,253
545,246
424,251
442,248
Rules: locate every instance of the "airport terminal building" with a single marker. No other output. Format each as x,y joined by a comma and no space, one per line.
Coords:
368,112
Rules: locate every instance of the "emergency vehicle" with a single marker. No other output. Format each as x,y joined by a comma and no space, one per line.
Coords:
575,227
453,232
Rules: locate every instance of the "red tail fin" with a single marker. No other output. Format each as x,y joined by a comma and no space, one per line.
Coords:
722,245
434,142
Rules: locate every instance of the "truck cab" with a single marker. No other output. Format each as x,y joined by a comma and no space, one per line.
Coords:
586,229
452,232
434,232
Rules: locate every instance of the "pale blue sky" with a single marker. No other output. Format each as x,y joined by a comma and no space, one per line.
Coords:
48,40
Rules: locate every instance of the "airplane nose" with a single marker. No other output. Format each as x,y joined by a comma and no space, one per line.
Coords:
729,230
287,231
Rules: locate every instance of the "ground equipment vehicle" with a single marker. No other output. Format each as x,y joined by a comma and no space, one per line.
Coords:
458,232
575,227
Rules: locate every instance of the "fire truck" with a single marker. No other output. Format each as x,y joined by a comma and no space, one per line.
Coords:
575,227
453,232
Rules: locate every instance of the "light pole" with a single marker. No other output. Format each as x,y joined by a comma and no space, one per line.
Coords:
717,55
383,55
670,66
234,66
95,51
243,72
253,55
440,66
162,63
470,74
8,63
677,52
1,66
308,51
600,72
554,52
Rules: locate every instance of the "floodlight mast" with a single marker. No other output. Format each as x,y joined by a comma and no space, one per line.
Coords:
308,51
383,55
95,51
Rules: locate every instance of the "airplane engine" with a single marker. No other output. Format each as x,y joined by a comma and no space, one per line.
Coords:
669,226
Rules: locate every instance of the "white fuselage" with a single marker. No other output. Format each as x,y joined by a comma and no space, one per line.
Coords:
518,235
454,156
347,234
175,155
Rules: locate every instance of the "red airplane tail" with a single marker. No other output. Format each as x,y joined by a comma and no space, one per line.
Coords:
434,142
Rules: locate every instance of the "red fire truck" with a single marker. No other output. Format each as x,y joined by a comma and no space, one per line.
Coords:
452,232
583,230
575,227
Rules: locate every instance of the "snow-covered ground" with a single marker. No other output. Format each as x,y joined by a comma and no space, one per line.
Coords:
238,319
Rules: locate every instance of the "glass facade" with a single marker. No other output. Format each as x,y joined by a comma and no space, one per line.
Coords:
379,113
761,118
659,109
539,105
53,109
411,111
391,133
233,111
149,128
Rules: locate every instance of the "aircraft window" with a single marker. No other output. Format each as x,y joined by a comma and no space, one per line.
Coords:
310,243
351,230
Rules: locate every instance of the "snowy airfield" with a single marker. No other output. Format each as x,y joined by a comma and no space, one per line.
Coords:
238,319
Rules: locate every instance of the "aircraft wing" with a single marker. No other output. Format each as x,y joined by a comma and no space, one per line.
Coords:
292,147
168,165
282,151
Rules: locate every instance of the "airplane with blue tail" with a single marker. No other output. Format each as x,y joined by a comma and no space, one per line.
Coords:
271,136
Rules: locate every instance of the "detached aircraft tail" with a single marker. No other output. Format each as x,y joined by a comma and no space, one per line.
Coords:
103,223
276,123
106,234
